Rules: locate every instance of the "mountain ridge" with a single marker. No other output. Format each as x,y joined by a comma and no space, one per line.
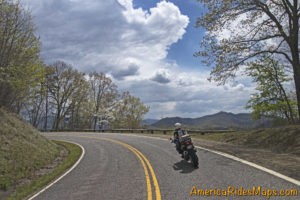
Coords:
220,120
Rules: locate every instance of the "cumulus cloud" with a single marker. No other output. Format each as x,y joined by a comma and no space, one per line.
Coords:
162,76
107,36
128,71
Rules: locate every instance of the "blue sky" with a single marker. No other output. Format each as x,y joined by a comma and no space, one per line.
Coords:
145,46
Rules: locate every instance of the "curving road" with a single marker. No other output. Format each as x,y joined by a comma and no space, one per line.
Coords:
121,166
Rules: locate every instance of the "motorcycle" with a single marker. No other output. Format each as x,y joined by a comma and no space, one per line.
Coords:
188,149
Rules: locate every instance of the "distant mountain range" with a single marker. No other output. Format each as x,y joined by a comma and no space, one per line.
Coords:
150,121
221,120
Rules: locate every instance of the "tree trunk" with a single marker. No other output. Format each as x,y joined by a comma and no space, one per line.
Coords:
95,122
295,53
297,85
296,69
46,115
57,119
289,114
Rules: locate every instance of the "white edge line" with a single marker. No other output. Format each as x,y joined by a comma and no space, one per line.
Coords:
289,179
294,181
55,181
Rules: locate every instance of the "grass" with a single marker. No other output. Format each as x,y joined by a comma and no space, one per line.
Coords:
284,139
74,154
23,153
23,150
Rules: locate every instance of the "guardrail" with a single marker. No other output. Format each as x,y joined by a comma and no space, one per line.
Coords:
149,131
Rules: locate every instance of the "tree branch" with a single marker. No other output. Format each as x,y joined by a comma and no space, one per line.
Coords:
265,9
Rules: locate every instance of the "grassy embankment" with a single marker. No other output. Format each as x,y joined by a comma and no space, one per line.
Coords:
29,161
280,140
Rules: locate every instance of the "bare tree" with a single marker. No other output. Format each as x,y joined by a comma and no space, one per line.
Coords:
34,105
63,85
81,107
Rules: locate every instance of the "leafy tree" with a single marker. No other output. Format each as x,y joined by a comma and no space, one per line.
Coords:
20,66
105,117
103,95
129,111
272,100
256,28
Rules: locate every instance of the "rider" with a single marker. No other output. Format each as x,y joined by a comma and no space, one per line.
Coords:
177,136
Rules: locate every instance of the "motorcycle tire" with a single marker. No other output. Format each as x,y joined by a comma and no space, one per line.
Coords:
195,159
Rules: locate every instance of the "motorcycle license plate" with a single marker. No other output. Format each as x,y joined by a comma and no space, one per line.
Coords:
189,147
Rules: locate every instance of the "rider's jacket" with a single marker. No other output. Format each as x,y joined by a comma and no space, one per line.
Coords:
178,133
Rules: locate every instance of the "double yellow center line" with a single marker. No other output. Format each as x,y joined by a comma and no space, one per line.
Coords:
145,163
143,159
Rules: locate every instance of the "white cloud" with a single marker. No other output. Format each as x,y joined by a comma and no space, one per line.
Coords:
131,44
162,76
107,35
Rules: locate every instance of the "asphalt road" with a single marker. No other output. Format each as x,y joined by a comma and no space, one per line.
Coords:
116,169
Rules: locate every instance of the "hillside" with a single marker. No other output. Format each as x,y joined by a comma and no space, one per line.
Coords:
23,150
285,139
221,120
